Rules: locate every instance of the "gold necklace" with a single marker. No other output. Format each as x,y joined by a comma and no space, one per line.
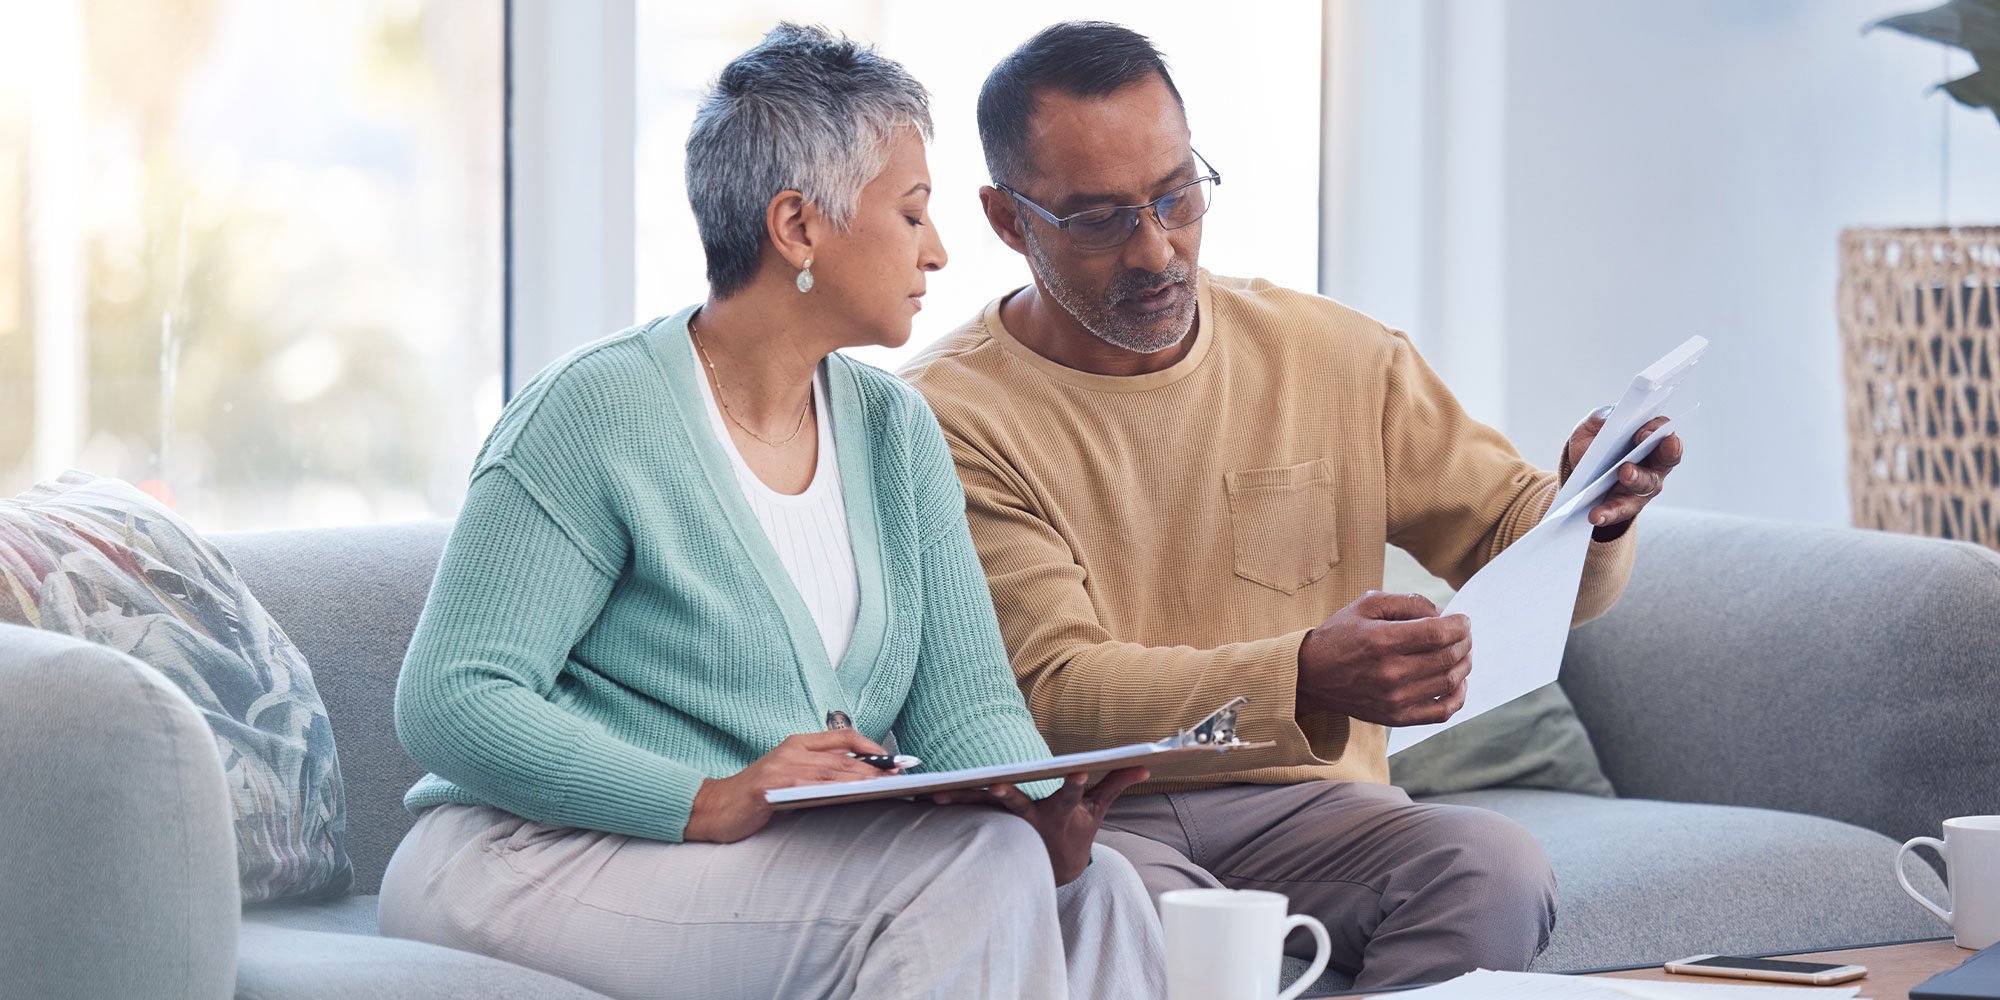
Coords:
726,411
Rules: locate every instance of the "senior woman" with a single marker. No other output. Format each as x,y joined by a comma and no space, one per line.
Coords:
687,544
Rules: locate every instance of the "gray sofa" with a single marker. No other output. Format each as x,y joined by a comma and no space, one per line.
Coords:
1777,705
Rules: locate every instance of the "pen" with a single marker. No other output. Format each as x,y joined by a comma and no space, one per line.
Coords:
837,719
888,762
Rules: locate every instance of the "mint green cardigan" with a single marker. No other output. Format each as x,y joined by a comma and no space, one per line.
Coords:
609,625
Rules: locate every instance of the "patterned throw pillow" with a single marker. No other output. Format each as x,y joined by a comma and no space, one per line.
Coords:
97,559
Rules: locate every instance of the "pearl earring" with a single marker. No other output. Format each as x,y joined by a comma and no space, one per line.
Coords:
805,281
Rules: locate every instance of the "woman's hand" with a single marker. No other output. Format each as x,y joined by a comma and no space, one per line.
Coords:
729,809
1067,820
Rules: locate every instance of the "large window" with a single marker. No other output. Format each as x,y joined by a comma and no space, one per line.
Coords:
250,251
1252,86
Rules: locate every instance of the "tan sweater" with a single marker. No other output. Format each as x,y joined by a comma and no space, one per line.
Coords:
1158,544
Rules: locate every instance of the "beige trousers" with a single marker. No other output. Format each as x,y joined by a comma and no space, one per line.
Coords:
876,900
1410,892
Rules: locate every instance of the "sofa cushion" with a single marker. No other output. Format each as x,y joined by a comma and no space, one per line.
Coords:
285,963
1800,667
350,597
1534,741
1642,881
97,559
346,915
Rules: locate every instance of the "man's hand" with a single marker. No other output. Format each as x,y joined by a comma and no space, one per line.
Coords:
1637,485
727,810
1067,820
1387,659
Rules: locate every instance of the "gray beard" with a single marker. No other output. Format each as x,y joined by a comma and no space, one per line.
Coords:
1100,317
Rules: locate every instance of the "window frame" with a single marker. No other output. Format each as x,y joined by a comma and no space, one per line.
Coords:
569,178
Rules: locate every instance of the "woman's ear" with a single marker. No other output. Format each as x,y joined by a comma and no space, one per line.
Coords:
789,221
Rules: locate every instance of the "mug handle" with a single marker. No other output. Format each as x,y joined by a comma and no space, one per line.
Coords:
1915,842
1322,947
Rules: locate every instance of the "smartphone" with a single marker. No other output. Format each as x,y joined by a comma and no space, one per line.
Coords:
1771,970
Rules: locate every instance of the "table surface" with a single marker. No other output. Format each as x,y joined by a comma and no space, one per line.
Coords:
1893,969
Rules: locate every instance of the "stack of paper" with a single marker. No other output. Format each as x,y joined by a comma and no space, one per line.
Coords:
1484,985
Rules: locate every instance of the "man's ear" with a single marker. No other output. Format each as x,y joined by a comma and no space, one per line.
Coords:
1005,218
789,222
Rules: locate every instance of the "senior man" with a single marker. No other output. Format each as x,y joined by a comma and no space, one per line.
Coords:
1181,486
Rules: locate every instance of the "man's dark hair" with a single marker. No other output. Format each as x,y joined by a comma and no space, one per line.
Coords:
1077,58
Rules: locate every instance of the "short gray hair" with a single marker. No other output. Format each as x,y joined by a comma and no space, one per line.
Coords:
803,111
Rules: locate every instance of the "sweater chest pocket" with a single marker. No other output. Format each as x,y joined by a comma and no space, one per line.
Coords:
1282,523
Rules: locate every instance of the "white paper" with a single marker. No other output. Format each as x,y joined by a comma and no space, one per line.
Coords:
1643,400
1485,985
1520,604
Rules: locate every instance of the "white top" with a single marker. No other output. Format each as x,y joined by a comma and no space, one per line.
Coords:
809,530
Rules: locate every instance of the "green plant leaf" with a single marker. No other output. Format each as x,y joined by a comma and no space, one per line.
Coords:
1967,24
1980,89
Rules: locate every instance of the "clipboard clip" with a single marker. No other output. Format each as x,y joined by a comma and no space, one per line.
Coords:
1219,729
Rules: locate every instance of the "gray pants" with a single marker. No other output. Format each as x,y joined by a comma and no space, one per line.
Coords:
1409,893
872,900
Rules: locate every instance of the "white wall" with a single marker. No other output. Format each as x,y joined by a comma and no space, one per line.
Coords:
1596,181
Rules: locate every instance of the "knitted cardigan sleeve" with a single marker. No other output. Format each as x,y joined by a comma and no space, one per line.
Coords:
963,709
513,594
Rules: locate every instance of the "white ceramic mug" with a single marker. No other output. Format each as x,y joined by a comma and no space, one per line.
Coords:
1228,944
1971,852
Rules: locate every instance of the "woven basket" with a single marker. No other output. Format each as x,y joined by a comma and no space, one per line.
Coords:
1920,325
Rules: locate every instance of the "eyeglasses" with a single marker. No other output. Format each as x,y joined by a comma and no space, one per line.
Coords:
1106,228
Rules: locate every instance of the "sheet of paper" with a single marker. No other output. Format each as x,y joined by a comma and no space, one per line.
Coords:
1520,604
1485,985
1643,400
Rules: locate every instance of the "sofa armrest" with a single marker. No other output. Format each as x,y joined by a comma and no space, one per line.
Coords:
1832,671
117,853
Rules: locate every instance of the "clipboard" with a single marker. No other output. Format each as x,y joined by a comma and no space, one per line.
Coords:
1206,739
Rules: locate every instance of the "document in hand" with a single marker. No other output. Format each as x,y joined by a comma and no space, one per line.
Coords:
1643,400
1213,735
1520,604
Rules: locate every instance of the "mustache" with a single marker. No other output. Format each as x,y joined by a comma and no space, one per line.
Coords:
1135,282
